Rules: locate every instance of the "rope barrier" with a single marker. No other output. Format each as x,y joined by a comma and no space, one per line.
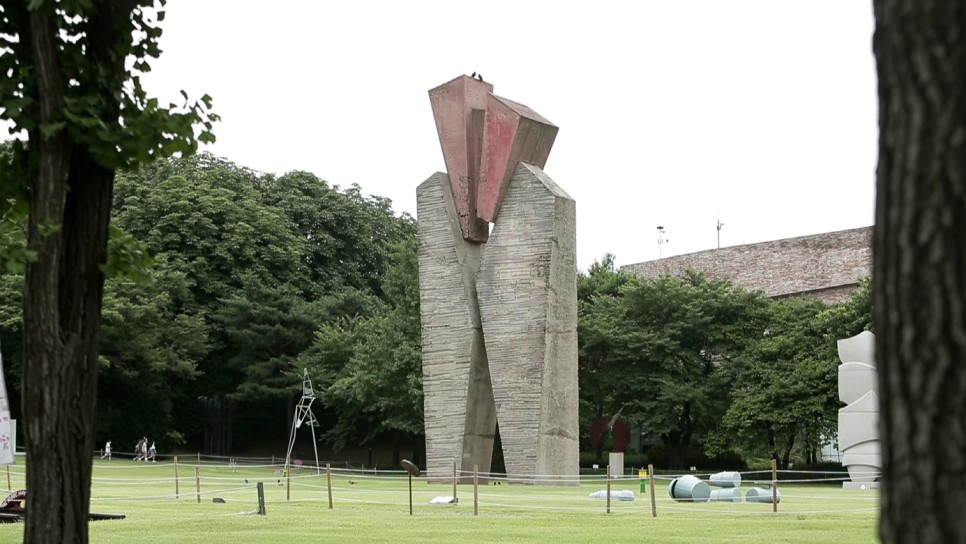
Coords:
498,493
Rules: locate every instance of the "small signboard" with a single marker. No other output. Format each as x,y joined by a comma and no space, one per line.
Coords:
8,437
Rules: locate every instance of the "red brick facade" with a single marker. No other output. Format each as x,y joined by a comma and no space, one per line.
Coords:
827,266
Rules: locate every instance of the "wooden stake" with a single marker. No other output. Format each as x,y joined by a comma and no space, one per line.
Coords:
176,490
410,493
261,498
774,485
288,485
198,483
8,478
476,490
608,489
455,500
650,480
328,479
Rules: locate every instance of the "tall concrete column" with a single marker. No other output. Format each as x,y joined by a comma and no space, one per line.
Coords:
528,301
459,414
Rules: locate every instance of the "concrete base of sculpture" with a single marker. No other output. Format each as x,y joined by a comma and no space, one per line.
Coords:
499,333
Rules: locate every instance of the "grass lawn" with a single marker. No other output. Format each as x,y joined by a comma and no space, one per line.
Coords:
375,508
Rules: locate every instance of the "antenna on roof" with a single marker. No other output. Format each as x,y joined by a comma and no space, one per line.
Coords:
720,224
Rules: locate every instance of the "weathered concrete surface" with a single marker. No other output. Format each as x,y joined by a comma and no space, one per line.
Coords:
513,133
458,407
528,302
459,108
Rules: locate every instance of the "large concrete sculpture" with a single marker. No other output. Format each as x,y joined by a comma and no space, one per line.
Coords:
498,307
859,420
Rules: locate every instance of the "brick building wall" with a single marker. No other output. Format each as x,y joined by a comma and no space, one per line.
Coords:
827,266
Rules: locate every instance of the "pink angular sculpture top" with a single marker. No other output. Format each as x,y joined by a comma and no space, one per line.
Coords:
458,107
483,138
514,133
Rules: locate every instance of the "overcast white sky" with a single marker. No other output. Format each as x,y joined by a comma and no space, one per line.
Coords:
675,113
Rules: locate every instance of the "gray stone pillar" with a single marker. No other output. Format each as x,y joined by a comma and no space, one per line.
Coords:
528,301
499,332
459,414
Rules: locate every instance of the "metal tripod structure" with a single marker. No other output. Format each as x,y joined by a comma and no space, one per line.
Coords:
303,414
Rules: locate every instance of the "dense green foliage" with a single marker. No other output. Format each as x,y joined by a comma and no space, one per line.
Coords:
690,361
255,277
247,269
375,361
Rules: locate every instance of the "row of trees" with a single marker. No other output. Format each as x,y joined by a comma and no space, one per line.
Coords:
242,279
683,358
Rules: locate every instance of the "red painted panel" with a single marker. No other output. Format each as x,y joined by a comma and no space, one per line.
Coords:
513,133
458,107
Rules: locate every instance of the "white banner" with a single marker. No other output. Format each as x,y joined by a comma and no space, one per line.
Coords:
7,440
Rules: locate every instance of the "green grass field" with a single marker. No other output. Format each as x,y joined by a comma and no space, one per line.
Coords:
375,508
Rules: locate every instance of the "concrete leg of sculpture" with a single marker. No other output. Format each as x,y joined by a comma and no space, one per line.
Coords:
527,295
480,427
459,412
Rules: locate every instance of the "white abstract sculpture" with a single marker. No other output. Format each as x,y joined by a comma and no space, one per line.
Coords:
859,421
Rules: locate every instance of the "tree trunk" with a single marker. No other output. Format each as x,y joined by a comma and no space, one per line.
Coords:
678,443
919,268
58,486
787,455
62,306
599,450
63,290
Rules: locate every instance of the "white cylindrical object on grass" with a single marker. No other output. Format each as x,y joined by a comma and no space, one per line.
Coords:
726,494
725,479
762,494
689,488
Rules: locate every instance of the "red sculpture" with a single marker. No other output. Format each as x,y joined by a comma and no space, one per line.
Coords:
622,433
484,137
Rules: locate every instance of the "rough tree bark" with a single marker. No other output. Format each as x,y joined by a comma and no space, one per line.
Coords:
920,268
63,290
64,82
